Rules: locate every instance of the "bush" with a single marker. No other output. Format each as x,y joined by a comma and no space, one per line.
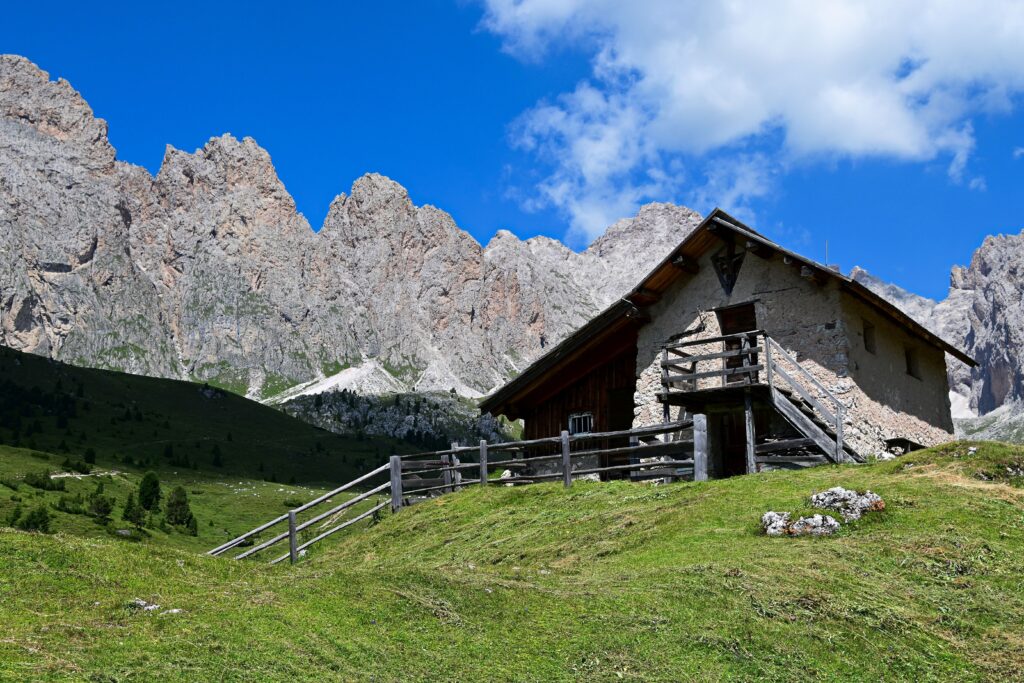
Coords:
292,503
133,512
178,511
100,506
72,505
36,520
77,466
41,480
149,492
90,456
12,485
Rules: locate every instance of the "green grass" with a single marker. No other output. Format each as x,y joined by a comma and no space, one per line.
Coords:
600,582
130,422
233,505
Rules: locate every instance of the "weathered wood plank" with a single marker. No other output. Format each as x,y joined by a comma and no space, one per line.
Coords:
333,530
783,445
293,539
396,483
310,522
700,447
483,461
803,424
732,353
566,460
805,395
748,415
316,501
724,372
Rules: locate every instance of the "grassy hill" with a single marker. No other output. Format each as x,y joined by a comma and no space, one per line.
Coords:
136,423
599,582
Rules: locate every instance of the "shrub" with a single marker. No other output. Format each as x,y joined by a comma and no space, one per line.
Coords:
292,503
76,466
149,491
90,456
133,512
42,480
12,485
100,506
178,511
36,520
73,505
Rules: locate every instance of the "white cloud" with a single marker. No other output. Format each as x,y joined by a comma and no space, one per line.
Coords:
679,84
1018,153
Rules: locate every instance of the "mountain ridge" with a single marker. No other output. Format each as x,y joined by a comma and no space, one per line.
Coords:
206,270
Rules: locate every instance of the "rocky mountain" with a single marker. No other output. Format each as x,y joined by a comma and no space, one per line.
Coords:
431,420
207,271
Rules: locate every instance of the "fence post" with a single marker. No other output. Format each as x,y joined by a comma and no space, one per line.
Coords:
840,453
446,475
396,483
293,541
483,461
700,447
566,463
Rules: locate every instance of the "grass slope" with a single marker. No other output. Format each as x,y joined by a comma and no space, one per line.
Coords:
599,582
140,423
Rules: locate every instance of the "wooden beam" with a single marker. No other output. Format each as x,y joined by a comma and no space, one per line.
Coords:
748,410
566,460
812,274
396,483
700,447
686,264
760,249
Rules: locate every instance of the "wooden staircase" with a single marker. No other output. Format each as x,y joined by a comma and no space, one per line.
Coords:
753,362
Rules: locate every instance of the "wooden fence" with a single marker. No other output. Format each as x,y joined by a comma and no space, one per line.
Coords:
404,482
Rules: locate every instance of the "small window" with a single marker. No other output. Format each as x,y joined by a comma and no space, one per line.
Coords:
581,423
869,337
913,368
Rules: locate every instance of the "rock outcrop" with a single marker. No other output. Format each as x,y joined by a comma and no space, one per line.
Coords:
207,271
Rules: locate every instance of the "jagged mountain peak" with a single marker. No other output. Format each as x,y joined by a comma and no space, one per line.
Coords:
53,108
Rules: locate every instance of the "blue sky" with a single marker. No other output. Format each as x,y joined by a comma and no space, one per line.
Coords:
894,139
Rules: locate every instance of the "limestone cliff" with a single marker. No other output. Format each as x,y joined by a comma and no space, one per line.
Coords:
207,271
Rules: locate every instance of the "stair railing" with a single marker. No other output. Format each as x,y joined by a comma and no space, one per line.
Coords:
833,417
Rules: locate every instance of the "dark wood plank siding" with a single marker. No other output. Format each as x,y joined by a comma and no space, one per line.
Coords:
591,392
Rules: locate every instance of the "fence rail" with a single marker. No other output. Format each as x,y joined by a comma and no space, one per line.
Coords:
403,479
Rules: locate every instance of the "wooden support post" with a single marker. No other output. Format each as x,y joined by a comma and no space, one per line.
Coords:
566,461
483,462
748,413
396,483
700,447
840,453
768,361
446,475
634,459
293,539
456,473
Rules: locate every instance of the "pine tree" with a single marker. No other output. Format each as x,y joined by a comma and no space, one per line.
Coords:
217,462
133,512
100,506
90,456
178,510
149,491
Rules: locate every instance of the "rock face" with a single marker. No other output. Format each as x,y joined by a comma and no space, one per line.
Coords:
208,272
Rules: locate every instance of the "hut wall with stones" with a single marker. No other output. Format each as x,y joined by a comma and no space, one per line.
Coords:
817,324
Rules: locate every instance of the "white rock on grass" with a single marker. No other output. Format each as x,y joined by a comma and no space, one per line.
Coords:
779,524
848,503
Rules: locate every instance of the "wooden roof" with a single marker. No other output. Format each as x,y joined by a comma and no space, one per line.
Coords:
677,264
